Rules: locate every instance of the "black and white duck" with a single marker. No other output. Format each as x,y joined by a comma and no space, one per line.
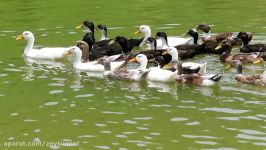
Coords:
89,65
172,41
116,46
187,67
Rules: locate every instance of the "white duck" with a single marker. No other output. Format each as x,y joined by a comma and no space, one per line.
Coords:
172,41
89,66
128,74
186,65
43,53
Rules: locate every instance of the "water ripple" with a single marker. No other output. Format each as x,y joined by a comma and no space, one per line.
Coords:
226,110
199,136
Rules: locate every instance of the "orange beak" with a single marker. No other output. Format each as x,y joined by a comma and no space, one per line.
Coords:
133,60
66,53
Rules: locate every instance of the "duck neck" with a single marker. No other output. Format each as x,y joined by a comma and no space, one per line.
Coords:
195,38
154,45
143,65
147,34
164,42
206,35
77,58
175,56
124,46
29,46
225,55
104,35
244,42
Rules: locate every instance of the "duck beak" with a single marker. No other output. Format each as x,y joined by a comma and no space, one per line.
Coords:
259,61
218,47
165,52
68,52
228,67
19,37
183,35
133,60
167,66
111,42
137,32
79,27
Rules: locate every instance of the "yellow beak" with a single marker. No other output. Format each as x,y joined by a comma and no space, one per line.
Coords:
218,47
79,27
111,42
133,60
228,67
183,35
165,52
259,61
66,53
137,32
167,66
19,37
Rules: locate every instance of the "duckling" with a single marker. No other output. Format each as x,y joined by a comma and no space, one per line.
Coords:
128,74
172,41
256,79
248,48
225,57
89,65
187,67
43,53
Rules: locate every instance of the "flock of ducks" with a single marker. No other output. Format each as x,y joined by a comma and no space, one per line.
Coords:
161,57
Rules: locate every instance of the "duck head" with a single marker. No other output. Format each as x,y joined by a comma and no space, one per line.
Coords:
85,50
194,34
142,60
163,37
144,29
173,52
204,27
244,38
27,35
103,29
225,45
87,26
76,52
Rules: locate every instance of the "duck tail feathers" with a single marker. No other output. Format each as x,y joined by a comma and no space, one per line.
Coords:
216,77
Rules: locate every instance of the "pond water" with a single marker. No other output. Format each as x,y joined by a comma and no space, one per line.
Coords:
44,101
